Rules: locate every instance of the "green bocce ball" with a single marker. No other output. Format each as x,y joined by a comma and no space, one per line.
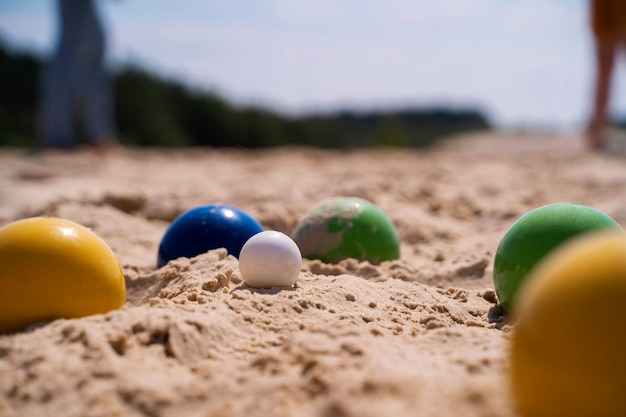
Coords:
533,236
347,227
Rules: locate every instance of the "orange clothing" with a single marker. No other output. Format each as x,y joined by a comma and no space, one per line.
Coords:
608,18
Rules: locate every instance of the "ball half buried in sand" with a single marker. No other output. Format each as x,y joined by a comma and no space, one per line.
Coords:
535,235
568,355
204,228
347,227
270,259
53,268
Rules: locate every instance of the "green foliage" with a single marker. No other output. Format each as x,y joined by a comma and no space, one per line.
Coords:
151,111
19,81
145,111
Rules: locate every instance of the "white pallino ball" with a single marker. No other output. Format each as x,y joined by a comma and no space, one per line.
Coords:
270,259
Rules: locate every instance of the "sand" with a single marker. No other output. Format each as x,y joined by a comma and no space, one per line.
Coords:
418,336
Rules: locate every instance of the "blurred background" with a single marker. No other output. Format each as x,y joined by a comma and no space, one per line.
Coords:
330,73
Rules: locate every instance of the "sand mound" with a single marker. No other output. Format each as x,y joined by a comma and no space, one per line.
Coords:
421,335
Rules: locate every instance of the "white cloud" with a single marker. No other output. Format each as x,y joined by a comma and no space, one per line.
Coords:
35,31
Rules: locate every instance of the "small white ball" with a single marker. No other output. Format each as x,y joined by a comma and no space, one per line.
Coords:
270,259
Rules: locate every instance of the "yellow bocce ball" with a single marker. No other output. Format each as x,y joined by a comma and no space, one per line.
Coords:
53,268
568,354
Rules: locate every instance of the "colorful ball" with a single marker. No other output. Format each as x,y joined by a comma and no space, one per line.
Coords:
52,268
568,353
347,227
204,228
533,236
270,259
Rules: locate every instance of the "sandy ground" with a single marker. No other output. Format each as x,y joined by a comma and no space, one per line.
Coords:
420,336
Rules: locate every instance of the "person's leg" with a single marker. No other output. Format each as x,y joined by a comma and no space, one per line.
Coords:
96,93
605,58
98,107
55,108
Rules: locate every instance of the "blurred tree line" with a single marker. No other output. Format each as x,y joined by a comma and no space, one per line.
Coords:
151,111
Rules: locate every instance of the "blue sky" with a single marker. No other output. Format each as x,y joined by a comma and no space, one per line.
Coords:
524,62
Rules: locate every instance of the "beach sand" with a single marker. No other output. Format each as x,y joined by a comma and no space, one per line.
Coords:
418,336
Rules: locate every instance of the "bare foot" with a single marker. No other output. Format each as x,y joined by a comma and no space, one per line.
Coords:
594,137
105,145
